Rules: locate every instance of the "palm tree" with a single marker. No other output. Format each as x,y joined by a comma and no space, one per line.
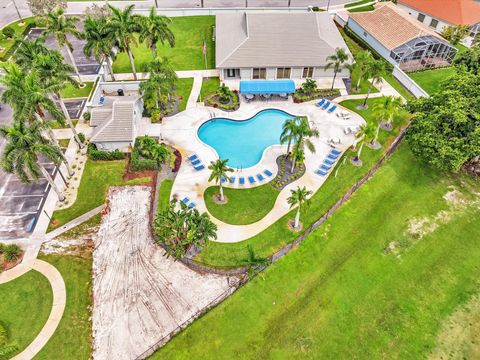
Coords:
24,145
387,108
366,133
99,42
28,49
303,135
289,132
62,26
376,71
297,198
336,60
161,81
154,29
220,171
362,61
123,25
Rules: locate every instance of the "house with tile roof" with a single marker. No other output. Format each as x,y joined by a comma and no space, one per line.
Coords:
400,38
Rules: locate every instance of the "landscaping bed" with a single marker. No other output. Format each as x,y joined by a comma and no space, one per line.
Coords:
10,256
284,176
215,100
329,94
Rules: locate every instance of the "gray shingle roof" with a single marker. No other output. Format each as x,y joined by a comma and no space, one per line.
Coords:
119,127
246,40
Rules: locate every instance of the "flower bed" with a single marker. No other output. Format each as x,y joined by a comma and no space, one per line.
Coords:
284,177
329,94
232,105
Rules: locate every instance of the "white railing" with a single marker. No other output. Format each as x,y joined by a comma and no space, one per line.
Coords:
175,12
409,83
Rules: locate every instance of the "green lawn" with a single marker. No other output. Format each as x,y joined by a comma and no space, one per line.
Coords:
97,177
71,91
24,308
6,43
184,88
186,55
430,80
277,235
164,194
245,206
63,143
341,295
357,3
362,8
72,339
209,86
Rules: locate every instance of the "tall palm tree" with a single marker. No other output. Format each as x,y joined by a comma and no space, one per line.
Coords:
24,145
219,170
62,26
154,29
298,197
362,61
161,81
289,132
303,135
366,133
99,42
376,71
28,49
336,60
123,25
386,109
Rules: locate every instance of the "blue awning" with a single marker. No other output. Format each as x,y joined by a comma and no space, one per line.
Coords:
256,87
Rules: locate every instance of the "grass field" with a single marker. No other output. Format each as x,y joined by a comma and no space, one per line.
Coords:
245,206
97,177
25,304
357,3
209,86
72,339
6,43
430,80
342,294
277,235
187,54
70,91
164,194
184,88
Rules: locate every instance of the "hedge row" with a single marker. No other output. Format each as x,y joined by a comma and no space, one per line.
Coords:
102,155
139,163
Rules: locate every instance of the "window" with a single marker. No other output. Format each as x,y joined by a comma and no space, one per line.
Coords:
230,73
307,72
365,34
434,23
259,73
283,73
421,17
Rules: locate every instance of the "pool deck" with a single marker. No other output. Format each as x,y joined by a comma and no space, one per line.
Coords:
181,131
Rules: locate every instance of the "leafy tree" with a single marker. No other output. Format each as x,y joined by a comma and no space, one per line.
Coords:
366,133
303,135
455,34
297,198
470,60
360,67
309,86
123,25
161,80
386,109
180,229
289,132
24,145
149,148
445,130
375,71
62,26
154,29
336,60
43,7
219,170
28,50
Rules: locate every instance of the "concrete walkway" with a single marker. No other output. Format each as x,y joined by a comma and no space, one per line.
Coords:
58,306
195,93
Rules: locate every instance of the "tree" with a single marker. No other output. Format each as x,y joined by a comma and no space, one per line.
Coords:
289,132
28,50
455,34
386,108
476,40
375,71
366,133
363,59
123,25
309,86
24,145
220,171
42,7
161,80
303,135
154,29
469,59
99,42
97,12
445,129
178,230
62,26
297,198
253,261
336,60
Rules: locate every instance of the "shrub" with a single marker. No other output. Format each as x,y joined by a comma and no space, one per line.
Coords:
156,115
8,32
11,252
87,115
148,154
81,137
2,247
96,155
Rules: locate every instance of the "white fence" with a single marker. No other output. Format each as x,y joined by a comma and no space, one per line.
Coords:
174,12
408,82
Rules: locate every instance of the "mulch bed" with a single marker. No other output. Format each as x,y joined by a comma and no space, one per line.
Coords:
7,265
128,175
284,177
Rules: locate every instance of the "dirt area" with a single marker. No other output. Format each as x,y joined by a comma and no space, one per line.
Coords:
140,295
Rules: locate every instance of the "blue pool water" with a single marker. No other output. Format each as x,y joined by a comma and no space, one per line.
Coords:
243,142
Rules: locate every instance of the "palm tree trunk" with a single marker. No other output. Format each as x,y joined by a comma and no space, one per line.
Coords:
74,64
47,176
334,76
359,80
360,150
69,121
293,162
110,68
132,63
69,169
366,98
221,192
377,132
297,218
288,146
154,50
50,133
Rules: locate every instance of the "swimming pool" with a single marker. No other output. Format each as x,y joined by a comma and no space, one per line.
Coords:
243,142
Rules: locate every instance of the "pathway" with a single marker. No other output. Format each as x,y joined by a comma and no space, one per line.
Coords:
195,93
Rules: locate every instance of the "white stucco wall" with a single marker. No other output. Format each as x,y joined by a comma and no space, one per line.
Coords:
441,24
296,73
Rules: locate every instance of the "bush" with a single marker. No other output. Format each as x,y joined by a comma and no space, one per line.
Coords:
11,252
8,32
87,115
81,137
156,115
101,155
148,154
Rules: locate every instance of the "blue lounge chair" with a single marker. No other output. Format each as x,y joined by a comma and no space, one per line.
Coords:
193,157
327,104
320,172
191,205
325,167
241,180
333,157
332,109
329,162
196,162
321,102
185,200
260,177
101,100
223,179
199,167
251,179
335,152
232,179
268,172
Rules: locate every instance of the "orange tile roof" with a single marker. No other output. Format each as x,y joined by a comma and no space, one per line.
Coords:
455,12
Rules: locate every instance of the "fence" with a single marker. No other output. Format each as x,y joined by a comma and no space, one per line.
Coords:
172,12
408,83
